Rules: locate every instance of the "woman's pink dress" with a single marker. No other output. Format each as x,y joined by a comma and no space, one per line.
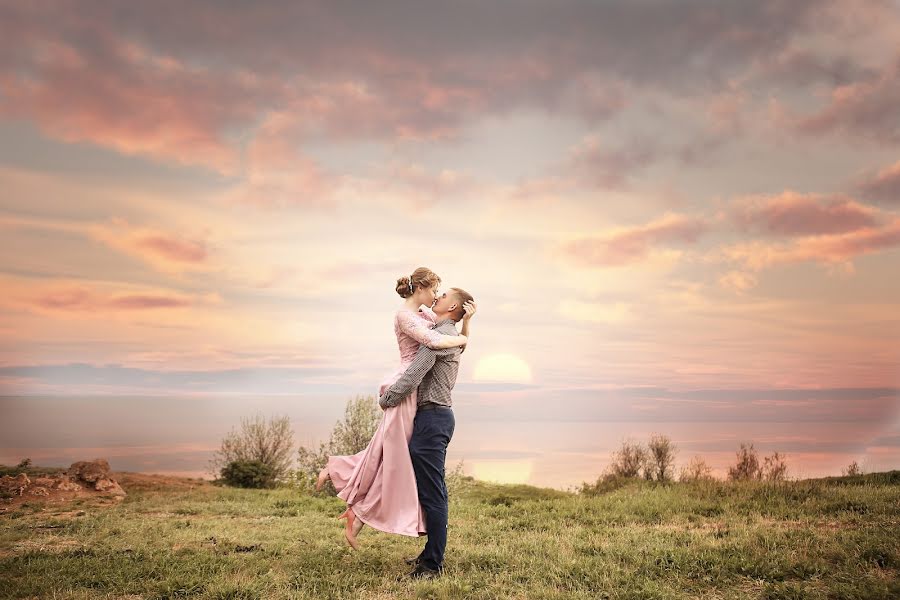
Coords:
379,482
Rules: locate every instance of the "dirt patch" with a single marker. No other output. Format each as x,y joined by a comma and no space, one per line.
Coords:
65,493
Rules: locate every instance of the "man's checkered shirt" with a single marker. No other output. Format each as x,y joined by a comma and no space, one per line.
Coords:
433,371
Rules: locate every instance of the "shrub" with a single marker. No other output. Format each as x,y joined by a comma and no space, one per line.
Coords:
696,470
774,468
660,458
608,482
349,436
629,460
23,467
457,480
248,474
747,466
852,469
269,443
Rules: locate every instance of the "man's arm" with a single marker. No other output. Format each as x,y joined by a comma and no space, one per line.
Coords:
413,376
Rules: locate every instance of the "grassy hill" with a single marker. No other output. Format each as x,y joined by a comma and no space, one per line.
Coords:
827,538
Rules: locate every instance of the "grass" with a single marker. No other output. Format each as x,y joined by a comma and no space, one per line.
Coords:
828,538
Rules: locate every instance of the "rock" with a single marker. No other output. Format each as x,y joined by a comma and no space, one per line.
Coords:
89,471
39,490
109,485
67,485
14,485
48,482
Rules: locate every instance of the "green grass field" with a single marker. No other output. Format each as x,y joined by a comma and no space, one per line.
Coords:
826,538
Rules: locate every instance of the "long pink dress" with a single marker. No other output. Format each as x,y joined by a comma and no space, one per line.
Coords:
379,482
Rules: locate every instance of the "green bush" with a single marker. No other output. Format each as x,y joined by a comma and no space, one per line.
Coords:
248,474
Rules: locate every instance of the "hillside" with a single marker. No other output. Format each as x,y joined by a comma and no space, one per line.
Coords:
171,537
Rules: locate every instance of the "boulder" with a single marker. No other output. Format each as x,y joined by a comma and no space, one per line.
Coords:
110,486
14,486
67,485
89,471
38,490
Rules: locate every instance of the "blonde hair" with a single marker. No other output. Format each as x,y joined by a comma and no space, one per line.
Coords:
420,278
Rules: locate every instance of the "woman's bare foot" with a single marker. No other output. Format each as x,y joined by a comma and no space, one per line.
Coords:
357,526
323,477
351,527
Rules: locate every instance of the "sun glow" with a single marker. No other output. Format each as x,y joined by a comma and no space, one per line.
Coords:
502,471
506,368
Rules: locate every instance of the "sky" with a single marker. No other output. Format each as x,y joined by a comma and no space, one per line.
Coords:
675,217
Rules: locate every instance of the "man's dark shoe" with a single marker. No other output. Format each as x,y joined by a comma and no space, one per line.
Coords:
423,572
412,561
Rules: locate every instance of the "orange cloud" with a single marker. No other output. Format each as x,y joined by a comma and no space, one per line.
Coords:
884,186
633,244
791,213
164,251
833,250
69,299
91,93
866,109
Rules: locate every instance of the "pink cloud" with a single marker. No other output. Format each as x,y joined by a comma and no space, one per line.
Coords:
129,100
794,214
139,302
61,299
799,66
594,163
866,109
174,83
633,244
884,186
164,251
835,250
172,249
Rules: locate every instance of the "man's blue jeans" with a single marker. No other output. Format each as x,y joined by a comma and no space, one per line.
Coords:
432,430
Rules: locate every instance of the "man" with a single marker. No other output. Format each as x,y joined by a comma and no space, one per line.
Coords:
434,373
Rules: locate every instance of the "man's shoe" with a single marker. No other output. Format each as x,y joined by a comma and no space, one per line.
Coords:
412,561
423,572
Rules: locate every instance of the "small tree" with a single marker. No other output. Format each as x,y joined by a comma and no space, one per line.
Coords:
747,467
349,436
852,469
629,460
661,458
696,470
774,467
270,444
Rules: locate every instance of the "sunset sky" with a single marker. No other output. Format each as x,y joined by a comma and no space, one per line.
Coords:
676,217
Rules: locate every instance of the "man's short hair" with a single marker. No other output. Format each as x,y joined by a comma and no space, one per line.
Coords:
462,296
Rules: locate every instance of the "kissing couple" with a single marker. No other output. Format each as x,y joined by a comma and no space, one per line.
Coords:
396,484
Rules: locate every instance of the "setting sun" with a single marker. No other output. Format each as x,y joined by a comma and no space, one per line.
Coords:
506,368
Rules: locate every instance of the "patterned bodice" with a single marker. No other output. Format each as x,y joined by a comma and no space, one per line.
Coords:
414,328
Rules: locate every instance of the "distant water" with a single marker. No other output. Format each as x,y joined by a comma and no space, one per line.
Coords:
178,435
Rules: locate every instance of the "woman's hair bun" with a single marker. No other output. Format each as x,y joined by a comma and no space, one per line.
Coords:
403,287
422,277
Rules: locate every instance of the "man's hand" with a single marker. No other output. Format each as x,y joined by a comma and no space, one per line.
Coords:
469,307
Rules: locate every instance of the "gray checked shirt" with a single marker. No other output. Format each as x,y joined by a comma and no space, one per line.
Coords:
433,371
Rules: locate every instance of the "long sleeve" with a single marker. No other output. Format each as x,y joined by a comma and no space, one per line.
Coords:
413,376
417,328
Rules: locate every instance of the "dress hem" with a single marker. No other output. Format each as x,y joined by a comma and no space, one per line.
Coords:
385,530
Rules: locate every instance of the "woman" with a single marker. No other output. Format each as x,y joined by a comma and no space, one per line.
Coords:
378,483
